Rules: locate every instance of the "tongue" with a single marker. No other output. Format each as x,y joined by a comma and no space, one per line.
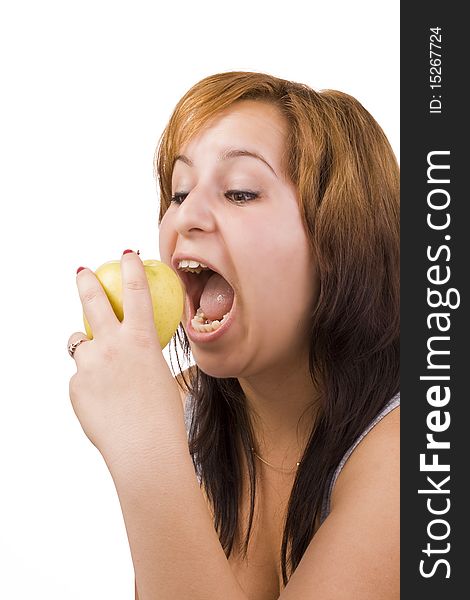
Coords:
217,297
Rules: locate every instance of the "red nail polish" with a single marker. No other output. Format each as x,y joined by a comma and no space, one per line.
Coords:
127,251
80,269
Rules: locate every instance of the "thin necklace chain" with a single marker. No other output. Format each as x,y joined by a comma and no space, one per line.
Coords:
281,470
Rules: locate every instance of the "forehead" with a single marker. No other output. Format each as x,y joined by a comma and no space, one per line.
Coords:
256,126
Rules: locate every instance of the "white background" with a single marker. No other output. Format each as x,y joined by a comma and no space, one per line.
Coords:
87,88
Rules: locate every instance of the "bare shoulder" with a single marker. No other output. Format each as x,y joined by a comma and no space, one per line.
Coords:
181,380
375,462
355,553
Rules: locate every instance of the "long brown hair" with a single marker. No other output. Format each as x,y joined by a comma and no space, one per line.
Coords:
348,188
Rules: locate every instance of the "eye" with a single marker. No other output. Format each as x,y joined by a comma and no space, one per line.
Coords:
178,197
237,196
241,197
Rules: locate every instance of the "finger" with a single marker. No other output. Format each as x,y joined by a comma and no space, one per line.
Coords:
96,306
136,298
78,336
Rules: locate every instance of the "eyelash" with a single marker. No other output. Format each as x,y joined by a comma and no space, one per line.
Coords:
176,198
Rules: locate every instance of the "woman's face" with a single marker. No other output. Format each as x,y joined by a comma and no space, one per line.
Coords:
239,215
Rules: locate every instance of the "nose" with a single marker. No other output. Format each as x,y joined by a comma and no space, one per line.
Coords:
195,213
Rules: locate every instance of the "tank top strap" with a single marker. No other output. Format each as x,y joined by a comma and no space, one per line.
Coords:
391,404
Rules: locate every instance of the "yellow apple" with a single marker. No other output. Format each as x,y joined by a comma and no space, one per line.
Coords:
166,290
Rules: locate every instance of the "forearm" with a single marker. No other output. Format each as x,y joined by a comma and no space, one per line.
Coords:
175,549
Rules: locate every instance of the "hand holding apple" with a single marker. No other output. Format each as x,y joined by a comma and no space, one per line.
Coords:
123,392
165,289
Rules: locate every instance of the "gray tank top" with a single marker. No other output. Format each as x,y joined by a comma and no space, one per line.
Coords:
391,404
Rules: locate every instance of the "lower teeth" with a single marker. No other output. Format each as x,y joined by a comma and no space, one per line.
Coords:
204,325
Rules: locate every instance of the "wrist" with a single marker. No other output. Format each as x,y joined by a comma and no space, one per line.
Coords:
154,453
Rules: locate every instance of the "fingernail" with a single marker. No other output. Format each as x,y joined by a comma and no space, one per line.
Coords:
80,269
127,251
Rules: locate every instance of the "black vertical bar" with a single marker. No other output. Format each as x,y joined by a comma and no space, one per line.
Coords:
434,271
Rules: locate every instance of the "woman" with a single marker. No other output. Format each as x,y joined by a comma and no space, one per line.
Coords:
286,200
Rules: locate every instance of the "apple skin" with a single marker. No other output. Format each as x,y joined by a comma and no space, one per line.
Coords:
166,290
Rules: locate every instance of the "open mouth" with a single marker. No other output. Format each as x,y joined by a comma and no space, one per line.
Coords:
210,295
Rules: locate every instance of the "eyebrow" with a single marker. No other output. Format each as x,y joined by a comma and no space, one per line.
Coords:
226,155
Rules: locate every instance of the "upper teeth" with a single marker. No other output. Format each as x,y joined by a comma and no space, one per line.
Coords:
191,264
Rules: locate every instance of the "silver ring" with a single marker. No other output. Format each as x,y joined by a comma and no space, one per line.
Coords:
74,345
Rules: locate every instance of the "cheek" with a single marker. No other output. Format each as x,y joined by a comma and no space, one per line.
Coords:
286,294
278,327
280,291
305,286
285,279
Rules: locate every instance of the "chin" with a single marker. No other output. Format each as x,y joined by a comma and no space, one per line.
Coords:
212,366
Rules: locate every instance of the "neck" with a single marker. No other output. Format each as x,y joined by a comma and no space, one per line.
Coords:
282,406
